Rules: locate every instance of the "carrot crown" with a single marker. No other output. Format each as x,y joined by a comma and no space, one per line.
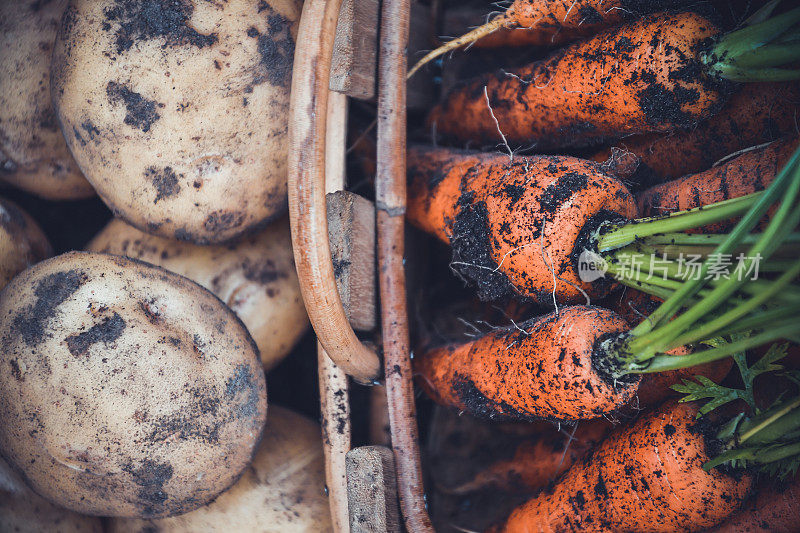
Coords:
759,50
725,314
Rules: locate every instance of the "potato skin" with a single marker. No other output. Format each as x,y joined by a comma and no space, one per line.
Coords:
22,242
33,153
125,389
282,491
255,277
177,112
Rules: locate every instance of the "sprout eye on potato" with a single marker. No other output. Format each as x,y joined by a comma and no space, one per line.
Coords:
177,111
282,491
33,154
255,277
125,389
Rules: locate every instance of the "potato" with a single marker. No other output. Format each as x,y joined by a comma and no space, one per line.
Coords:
255,277
125,389
22,242
33,153
22,511
177,111
283,490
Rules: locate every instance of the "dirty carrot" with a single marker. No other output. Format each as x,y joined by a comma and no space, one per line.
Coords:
774,509
541,370
522,225
548,22
656,74
758,113
514,223
750,172
648,477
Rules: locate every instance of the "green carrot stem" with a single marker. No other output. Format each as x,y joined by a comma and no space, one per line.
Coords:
708,239
656,271
740,311
777,453
674,253
662,361
789,37
770,55
653,290
624,234
750,38
776,265
745,75
789,176
760,320
755,454
772,425
762,13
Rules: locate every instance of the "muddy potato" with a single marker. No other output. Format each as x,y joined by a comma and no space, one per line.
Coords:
125,389
22,242
282,491
255,277
177,111
33,153
22,511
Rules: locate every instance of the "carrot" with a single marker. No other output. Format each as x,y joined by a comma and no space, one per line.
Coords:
548,22
514,225
538,462
662,72
756,114
748,173
774,509
649,477
543,369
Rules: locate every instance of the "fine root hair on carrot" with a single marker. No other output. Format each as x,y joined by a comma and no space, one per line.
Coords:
503,137
545,23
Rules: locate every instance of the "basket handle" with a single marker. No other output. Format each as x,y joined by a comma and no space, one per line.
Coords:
307,210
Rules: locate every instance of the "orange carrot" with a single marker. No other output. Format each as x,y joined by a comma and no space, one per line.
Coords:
648,477
549,22
538,462
748,173
656,74
514,225
756,114
774,509
543,369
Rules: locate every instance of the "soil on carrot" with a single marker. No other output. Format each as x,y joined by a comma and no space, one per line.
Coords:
472,250
482,407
